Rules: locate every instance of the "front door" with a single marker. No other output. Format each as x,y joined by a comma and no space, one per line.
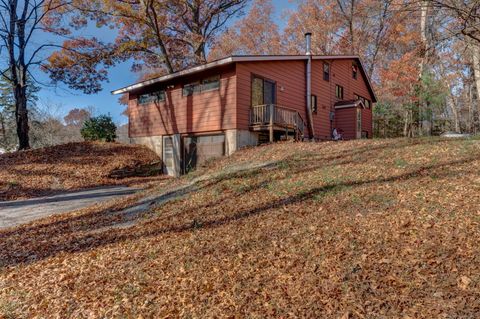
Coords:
263,91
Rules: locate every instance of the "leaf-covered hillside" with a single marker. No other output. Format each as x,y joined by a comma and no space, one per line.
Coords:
69,166
361,229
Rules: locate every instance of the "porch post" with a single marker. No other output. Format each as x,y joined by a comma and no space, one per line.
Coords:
271,106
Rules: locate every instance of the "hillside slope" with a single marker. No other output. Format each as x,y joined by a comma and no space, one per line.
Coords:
67,167
360,229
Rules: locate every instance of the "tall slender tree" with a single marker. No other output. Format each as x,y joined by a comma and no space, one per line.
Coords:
20,22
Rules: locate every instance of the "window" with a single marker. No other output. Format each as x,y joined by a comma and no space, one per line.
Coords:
314,104
154,97
212,83
263,91
354,70
192,88
339,91
257,91
208,84
366,102
326,71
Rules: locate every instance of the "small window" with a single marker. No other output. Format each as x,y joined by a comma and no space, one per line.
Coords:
354,71
314,104
192,88
339,92
154,97
326,71
212,83
368,104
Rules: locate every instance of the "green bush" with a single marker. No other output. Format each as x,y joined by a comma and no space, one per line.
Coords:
100,128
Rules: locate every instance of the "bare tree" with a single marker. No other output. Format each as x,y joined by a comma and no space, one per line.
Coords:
20,22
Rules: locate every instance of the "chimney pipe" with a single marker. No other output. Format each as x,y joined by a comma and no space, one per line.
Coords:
308,40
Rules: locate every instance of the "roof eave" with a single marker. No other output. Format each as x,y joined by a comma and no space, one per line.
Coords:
251,58
173,75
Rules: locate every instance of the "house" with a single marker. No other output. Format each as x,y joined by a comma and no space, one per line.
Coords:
215,109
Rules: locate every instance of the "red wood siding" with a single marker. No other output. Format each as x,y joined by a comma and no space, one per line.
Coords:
367,124
346,122
340,74
289,77
201,112
229,107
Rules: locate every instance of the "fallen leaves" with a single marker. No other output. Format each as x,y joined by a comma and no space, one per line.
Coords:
71,167
284,241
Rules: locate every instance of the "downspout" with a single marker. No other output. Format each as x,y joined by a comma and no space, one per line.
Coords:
308,38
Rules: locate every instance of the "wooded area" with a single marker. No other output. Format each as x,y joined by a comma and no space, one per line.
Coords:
423,56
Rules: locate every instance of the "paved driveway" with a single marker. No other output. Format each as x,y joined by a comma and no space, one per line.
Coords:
14,213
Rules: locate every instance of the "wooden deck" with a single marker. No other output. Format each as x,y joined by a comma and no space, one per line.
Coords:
275,118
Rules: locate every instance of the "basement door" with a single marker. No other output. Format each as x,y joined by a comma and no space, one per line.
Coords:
171,155
199,149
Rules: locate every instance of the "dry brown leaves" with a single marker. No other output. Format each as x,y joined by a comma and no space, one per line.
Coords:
68,167
361,229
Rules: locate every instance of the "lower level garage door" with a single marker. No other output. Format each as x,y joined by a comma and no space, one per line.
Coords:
199,149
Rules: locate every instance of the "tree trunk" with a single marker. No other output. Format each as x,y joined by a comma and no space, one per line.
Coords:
471,110
424,55
407,128
3,130
476,73
21,117
200,53
456,119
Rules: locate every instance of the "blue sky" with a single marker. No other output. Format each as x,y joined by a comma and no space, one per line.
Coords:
61,99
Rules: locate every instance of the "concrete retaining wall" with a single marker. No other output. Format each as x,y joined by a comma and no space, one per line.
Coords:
155,143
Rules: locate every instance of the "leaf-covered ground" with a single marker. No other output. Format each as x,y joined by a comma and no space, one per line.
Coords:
67,167
361,229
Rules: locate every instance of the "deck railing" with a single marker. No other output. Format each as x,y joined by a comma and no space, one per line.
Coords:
275,115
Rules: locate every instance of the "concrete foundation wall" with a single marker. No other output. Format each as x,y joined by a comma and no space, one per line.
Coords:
155,143
237,139
234,141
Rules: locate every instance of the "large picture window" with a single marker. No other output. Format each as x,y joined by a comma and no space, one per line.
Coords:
211,83
208,84
153,97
